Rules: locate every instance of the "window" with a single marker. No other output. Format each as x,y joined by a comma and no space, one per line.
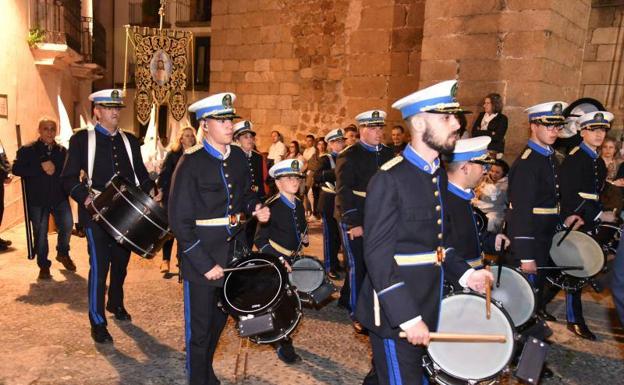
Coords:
202,62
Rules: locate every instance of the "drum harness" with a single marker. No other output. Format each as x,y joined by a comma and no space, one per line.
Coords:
91,158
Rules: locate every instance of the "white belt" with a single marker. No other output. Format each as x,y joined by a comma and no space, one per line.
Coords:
545,210
328,190
360,193
591,197
280,249
231,220
427,258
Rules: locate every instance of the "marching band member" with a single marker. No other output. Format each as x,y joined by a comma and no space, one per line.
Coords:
101,153
325,176
287,231
245,137
355,166
583,175
534,197
405,249
210,198
465,168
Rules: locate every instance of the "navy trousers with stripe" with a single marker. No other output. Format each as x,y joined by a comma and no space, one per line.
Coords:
331,243
397,361
105,254
204,322
354,251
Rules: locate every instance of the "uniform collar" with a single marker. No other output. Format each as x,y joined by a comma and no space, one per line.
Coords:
588,150
414,158
99,128
539,149
368,147
465,194
287,202
216,153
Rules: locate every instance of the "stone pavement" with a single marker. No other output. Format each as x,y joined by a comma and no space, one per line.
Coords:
44,335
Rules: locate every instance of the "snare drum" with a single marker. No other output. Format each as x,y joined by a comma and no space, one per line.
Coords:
261,299
577,249
308,276
469,362
608,237
515,294
131,217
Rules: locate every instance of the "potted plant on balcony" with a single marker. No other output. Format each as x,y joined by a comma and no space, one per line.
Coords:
35,36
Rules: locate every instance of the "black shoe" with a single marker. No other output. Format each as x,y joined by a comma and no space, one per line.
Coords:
67,262
287,354
78,233
546,373
100,334
371,377
3,247
333,274
5,242
581,330
546,316
343,305
120,313
44,273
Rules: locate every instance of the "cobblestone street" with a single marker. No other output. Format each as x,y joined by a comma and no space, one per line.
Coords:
45,333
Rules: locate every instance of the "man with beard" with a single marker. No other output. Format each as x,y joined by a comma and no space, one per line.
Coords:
583,175
101,153
405,250
355,166
210,198
534,198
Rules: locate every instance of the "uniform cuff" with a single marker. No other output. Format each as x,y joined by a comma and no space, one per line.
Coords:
527,260
463,281
408,324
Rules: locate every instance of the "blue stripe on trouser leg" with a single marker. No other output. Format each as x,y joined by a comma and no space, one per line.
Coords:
93,275
326,240
187,327
570,308
394,373
532,278
351,260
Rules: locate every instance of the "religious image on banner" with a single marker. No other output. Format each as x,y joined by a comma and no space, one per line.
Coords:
160,67
161,70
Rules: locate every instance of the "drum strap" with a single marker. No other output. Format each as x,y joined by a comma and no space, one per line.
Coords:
91,154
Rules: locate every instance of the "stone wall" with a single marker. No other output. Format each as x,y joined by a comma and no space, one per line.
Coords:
308,66
528,51
603,67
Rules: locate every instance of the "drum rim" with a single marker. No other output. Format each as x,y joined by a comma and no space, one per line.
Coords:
299,312
519,272
512,340
240,262
573,273
313,259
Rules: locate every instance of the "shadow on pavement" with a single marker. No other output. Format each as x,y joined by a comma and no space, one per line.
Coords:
72,291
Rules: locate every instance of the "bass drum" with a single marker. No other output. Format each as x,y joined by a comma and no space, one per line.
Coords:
455,363
515,294
263,291
131,217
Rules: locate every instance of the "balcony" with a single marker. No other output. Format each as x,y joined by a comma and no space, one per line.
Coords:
193,13
58,34
144,13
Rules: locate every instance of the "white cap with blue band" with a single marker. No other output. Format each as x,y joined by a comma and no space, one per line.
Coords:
438,98
218,106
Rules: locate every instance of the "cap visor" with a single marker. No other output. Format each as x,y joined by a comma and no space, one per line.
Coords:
243,132
297,174
111,105
449,111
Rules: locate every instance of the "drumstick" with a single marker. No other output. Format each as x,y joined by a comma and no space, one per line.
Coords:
567,232
248,267
303,268
560,268
376,309
461,337
488,295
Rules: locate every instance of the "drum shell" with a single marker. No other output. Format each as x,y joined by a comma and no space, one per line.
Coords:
577,249
465,313
131,217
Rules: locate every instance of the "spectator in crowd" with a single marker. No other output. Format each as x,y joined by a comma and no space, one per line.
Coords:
491,195
186,139
5,177
493,123
278,149
350,134
308,153
39,164
314,189
294,152
398,139
612,195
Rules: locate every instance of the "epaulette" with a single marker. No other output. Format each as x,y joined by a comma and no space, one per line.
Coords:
193,149
328,154
297,198
526,153
345,149
256,151
271,199
574,150
391,163
77,130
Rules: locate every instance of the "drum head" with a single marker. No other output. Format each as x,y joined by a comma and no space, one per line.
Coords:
515,293
251,291
286,316
470,361
307,281
578,249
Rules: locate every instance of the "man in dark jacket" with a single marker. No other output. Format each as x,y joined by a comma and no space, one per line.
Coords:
39,164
